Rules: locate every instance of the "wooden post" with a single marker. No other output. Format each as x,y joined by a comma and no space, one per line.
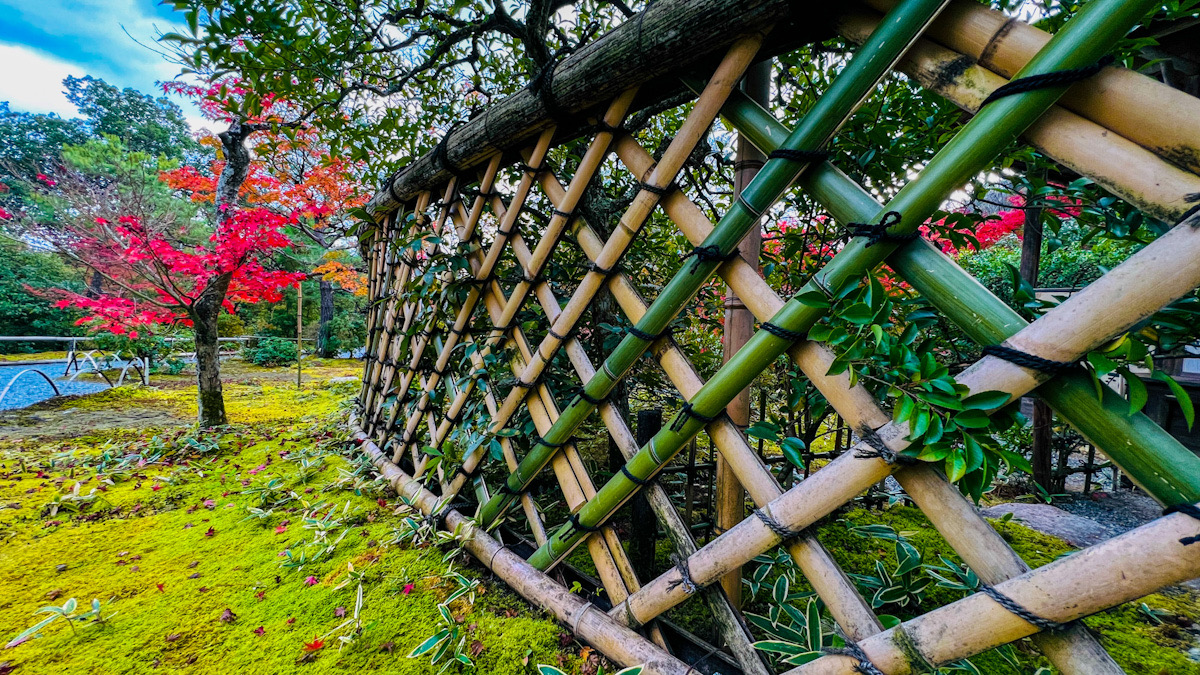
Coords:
1043,417
645,527
729,497
299,327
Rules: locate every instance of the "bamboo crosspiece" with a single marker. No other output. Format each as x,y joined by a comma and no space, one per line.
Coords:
1085,130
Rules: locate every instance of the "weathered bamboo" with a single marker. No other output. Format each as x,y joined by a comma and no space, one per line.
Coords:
853,614
1087,320
660,180
1116,163
1081,584
641,50
563,210
678,532
836,106
1153,458
610,558
1158,117
1073,652
1080,42
504,232
586,621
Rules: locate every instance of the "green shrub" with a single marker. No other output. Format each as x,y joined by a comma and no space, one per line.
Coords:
271,351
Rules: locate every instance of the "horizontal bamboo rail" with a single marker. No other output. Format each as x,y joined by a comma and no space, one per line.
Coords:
617,642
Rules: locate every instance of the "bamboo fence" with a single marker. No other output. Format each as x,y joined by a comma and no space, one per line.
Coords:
492,198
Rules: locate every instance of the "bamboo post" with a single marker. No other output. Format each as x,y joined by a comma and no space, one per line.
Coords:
730,498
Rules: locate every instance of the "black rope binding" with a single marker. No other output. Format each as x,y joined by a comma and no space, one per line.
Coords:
799,155
563,214
648,337
634,479
685,577
1188,510
777,527
573,526
582,394
688,411
1017,610
606,273
506,489
542,85
710,253
655,190
781,332
1057,78
1031,361
855,652
877,232
880,450
539,440
470,475
439,151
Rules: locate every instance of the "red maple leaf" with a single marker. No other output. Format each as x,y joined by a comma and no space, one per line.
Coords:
315,645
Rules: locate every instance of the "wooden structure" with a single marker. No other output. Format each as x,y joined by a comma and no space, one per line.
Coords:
488,206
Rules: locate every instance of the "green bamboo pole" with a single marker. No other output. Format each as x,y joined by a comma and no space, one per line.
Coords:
1083,40
1153,458
871,63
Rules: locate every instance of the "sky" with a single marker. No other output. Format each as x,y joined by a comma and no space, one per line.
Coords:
43,41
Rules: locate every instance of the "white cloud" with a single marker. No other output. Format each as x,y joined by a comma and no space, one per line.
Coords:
32,81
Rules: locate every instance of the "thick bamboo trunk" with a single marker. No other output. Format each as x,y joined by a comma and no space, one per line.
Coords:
647,48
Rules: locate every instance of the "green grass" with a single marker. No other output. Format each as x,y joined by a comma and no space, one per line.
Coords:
181,522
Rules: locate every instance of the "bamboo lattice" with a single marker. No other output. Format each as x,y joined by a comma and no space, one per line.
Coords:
513,216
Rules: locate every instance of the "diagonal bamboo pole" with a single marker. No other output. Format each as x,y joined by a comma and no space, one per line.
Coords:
1080,42
1073,652
463,318
1119,165
616,641
844,95
1157,275
610,558
1153,458
852,613
658,183
1092,580
729,624
563,211
1152,114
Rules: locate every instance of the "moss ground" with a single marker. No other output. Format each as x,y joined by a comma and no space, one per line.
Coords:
192,580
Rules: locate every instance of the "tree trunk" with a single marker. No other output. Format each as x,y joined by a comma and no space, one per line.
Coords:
324,348
96,286
204,313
